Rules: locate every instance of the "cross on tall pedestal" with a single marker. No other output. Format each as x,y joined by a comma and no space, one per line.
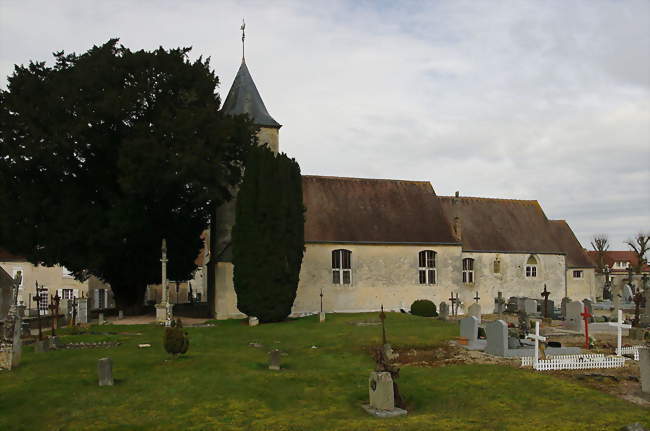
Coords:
620,325
545,294
586,316
382,317
37,298
537,339
477,298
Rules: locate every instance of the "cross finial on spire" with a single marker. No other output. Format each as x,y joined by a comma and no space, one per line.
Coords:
243,36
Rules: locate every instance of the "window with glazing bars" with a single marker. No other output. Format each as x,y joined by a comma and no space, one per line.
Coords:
427,267
341,266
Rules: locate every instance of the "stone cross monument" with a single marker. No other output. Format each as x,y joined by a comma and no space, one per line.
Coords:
164,308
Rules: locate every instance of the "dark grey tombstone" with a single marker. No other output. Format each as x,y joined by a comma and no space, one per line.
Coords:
274,360
105,372
497,338
41,346
511,306
565,301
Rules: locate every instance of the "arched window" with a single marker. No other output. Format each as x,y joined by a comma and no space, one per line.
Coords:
427,267
341,266
468,270
531,267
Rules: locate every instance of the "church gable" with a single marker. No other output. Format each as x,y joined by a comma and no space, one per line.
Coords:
363,210
500,225
576,257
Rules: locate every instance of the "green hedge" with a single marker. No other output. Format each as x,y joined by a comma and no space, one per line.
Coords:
423,307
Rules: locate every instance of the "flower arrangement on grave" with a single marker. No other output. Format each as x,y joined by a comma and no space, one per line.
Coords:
424,308
176,340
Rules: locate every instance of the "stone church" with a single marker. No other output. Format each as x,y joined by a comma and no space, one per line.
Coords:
373,242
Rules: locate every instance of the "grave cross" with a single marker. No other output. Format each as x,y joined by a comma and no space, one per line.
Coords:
620,325
453,301
476,298
586,316
54,312
382,317
537,339
37,298
321,300
545,294
74,311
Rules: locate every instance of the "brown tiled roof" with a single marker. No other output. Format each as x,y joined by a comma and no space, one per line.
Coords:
6,256
612,256
504,225
372,210
576,257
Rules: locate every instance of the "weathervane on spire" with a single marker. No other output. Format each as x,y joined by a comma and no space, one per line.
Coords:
243,36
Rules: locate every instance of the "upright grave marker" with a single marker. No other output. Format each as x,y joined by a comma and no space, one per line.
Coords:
537,339
321,316
443,311
499,304
573,319
545,295
586,316
620,325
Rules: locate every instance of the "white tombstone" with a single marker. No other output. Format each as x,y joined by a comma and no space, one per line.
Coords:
253,321
382,396
100,319
573,320
120,315
620,326
321,317
475,310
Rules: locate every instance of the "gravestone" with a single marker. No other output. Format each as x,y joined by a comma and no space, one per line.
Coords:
41,346
100,319
444,311
628,294
521,303
105,371
573,320
382,396
497,338
563,305
82,310
499,304
469,330
475,310
6,293
274,360
551,308
253,321
530,305
511,306
321,316
644,367
589,307
120,315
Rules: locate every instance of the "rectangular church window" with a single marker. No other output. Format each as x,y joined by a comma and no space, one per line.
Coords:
468,270
427,267
341,266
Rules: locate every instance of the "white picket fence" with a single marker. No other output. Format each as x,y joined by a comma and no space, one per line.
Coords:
628,350
580,364
527,361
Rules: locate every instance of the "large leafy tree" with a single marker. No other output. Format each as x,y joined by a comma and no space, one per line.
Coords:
268,237
105,153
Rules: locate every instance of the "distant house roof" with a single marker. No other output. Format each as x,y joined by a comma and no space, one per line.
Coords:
6,256
612,256
372,211
243,98
576,256
505,225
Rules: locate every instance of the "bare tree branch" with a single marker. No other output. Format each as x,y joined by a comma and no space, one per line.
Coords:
600,244
640,245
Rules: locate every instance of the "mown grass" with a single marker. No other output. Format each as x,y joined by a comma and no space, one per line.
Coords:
224,384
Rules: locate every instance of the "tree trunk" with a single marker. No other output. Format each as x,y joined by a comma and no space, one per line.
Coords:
211,263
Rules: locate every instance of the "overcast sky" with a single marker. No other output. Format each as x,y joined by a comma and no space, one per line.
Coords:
546,100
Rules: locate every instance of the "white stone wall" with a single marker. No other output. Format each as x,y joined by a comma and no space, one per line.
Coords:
388,275
585,287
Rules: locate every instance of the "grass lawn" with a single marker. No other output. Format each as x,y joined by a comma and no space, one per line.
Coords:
224,384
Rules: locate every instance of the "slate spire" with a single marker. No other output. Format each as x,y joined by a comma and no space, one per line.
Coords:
243,98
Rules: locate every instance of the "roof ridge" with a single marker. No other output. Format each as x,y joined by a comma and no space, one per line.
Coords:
491,199
333,177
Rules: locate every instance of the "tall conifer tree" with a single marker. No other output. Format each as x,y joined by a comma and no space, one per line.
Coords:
268,237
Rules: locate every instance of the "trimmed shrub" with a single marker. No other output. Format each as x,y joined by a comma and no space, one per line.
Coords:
424,308
176,340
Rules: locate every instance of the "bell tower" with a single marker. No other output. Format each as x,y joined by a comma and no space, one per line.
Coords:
244,98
